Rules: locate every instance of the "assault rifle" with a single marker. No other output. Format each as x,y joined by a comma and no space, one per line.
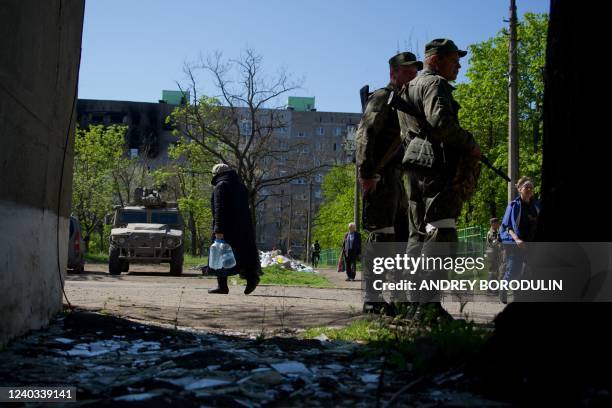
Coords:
407,107
364,94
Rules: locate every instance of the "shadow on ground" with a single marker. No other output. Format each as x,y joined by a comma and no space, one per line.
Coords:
118,362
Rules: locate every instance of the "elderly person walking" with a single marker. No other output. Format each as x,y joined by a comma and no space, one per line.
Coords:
232,223
518,226
351,249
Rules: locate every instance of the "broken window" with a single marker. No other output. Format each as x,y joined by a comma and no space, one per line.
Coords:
97,118
116,117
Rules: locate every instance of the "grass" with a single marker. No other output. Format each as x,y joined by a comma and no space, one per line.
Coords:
190,260
276,275
429,344
99,257
273,275
367,329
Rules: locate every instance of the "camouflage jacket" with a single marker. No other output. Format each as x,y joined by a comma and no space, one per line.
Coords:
377,133
433,97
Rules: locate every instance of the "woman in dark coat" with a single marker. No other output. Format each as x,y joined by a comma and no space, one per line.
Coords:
232,223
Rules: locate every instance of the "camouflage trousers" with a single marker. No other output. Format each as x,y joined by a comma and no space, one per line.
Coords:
430,199
386,206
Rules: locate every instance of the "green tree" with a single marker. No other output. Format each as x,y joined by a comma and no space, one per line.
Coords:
187,180
98,151
484,101
336,211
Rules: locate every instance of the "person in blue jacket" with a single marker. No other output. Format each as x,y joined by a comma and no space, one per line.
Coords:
519,226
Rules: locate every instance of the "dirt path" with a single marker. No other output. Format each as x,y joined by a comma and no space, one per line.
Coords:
148,293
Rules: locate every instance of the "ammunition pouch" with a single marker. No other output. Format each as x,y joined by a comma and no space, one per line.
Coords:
420,154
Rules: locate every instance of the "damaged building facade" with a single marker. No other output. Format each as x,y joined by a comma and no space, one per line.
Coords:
312,139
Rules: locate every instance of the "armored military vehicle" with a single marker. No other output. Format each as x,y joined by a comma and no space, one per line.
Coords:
149,230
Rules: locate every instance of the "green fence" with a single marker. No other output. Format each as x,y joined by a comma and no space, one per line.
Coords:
329,257
473,240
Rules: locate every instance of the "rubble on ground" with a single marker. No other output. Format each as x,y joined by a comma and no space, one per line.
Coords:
117,362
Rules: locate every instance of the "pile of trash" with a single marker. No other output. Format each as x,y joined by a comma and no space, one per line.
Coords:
275,258
268,258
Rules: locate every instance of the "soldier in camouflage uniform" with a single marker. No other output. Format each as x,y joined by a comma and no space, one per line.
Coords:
435,196
379,155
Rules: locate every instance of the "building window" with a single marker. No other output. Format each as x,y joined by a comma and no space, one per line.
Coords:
245,127
338,131
282,130
116,118
298,181
318,178
317,194
305,150
301,134
319,147
320,131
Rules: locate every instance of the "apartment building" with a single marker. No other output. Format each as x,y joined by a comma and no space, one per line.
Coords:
306,140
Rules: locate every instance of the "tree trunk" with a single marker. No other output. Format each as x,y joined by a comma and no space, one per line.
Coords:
194,234
545,352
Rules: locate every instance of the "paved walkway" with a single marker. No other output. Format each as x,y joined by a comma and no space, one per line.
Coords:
149,294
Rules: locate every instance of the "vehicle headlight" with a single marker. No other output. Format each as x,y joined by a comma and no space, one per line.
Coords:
170,241
121,240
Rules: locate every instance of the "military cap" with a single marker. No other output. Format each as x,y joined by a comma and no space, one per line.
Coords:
405,58
493,220
442,46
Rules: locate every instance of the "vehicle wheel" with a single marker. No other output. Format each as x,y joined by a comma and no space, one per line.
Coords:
176,262
114,264
125,266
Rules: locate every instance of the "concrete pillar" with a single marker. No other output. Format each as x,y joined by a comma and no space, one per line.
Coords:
40,45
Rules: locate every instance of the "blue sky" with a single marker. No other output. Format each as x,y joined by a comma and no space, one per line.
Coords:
132,49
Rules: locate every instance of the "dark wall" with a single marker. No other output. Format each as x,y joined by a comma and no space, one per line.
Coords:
40,43
39,62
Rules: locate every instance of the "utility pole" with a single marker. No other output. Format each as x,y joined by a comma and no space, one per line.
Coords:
290,217
351,148
356,198
513,142
309,220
